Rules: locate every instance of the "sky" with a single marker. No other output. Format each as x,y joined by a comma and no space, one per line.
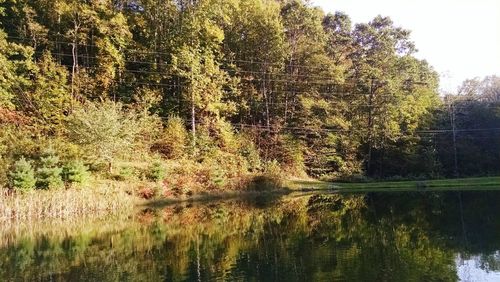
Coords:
459,38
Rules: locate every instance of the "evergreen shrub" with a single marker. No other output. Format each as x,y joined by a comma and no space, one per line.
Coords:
22,177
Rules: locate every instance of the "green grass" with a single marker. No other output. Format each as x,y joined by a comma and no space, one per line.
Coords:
477,183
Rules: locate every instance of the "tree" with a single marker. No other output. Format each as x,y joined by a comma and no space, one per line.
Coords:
49,174
395,90
472,146
105,130
174,139
15,63
22,176
7,74
48,98
255,46
197,62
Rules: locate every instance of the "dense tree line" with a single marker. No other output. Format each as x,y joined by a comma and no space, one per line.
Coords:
312,91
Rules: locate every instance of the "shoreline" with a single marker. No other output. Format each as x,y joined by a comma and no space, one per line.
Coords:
109,198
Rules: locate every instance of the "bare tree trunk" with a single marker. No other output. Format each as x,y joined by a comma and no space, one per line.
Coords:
193,119
370,127
287,88
266,98
74,52
286,108
454,134
73,70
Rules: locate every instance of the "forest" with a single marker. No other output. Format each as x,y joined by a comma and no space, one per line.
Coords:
213,95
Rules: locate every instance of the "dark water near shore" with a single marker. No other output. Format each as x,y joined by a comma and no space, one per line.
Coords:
406,236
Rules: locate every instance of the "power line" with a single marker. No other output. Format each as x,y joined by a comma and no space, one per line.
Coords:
180,85
155,52
164,53
328,80
429,132
169,64
168,54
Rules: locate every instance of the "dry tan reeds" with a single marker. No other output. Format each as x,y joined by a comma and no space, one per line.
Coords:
63,204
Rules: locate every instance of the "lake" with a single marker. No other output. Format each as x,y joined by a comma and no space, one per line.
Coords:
378,236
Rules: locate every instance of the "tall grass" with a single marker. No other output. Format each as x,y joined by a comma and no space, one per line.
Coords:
64,204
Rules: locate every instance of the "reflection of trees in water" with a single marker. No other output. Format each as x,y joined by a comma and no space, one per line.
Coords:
363,237
382,247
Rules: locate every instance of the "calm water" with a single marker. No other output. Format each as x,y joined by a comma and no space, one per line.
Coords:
407,236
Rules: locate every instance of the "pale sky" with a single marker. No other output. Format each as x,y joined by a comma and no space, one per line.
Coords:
459,38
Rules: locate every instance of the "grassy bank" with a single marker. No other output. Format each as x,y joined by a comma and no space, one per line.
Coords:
119,193
108,197
484,183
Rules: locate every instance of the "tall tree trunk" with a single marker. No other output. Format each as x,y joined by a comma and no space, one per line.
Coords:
266,99
73,70
74,53
193,119
370,127
454,136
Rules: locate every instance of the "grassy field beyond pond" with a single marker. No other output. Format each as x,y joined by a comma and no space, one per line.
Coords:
457,183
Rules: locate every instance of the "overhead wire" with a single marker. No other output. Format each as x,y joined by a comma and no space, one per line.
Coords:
165,53
329,81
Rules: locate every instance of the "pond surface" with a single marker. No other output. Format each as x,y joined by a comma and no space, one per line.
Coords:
406,236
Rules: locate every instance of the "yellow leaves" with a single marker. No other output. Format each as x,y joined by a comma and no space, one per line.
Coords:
116,28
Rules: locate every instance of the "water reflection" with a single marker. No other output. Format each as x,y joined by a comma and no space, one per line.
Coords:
407,236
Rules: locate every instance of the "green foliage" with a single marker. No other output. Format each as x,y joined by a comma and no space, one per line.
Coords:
49,173
4,173
22,176
249,151
7,75
75,172
16,141
126,173
15,65
157,172
272,177
48,97
292,156
253,80
287,150
273,168
105,130
174,139
225,136
205,144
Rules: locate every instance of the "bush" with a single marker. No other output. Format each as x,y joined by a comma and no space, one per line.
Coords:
18,141
146,193
75,172
22,176
187,177
206,145
264,183
249,152
105,130
225,137
125,173
49,174
271,178
157,172
174,139
5,164
291,155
